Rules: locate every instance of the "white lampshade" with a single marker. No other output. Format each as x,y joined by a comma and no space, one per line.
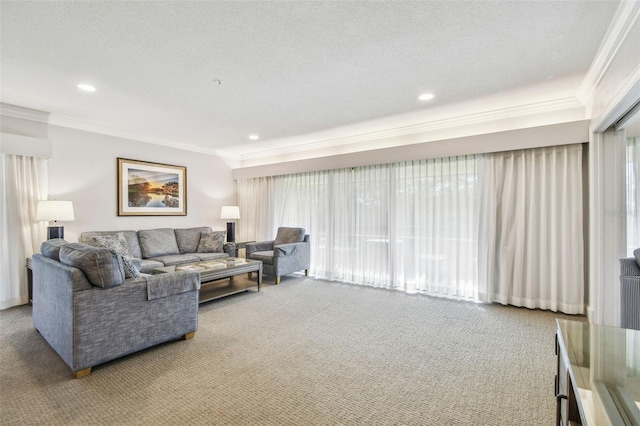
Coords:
230,212
55,210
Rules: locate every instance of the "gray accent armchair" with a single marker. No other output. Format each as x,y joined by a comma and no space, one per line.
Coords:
289,252
630,291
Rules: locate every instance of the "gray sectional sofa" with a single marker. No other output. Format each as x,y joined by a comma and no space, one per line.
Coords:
154,248
90,312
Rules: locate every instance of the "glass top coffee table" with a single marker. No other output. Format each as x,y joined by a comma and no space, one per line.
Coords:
221,277
603,373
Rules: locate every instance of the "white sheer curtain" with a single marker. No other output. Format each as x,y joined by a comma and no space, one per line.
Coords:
409,226
435,227
531,215
255,200
24,182
633,194
503,227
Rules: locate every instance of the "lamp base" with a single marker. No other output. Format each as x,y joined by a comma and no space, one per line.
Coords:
231,232
55,232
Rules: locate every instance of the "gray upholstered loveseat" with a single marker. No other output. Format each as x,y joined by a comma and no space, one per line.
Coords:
153,248
90,313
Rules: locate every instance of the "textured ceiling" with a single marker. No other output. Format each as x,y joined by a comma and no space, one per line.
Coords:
289,68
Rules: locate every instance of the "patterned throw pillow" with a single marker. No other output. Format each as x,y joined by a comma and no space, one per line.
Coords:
211,242
117,243
130,270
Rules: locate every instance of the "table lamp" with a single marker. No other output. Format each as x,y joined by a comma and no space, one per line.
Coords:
230,212
55,211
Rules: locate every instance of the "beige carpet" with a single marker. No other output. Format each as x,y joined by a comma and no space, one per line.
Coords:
304,352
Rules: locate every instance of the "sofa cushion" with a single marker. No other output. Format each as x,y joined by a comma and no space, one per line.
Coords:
636,253
265,256
130,236
211,242
51,248
176,259
102,267
211,256
289,235
158,242
148,265
188,239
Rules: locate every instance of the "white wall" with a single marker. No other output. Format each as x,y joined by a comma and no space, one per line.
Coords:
84,170
616,91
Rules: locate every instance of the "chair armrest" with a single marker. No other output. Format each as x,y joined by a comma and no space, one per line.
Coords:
629,267
259,246
288,249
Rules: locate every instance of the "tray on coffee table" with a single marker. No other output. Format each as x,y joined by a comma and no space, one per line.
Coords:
221,277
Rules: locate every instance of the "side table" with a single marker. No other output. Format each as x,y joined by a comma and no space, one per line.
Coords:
242,246
29,264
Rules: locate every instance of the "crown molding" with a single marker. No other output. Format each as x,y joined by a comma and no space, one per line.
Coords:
429,126
622,22
9,110
62,121
620,104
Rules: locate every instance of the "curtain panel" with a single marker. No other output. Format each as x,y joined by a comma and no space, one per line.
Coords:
457,227
633,194
24,182
409,226
532,245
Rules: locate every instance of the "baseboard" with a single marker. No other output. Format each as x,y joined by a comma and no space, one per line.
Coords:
589,314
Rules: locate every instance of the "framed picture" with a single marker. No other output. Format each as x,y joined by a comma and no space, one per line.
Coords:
151,189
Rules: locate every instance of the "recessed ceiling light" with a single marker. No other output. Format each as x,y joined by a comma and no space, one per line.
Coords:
426,96
254,137
86,87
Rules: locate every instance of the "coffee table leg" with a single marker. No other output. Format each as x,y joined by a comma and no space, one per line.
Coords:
259,278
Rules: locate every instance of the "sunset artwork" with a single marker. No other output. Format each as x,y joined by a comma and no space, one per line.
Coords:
153,189
148,189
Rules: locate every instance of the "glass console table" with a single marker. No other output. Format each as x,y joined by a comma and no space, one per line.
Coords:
598,379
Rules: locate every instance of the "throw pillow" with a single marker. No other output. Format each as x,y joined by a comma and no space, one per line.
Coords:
211,242
115,242
636,253
101,266
130,270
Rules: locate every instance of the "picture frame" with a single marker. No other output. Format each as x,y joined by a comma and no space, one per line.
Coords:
151,189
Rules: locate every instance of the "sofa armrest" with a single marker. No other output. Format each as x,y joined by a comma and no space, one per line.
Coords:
259,246
163,285
230,249
49,272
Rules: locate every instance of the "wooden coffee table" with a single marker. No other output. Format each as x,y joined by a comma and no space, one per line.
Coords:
221,277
